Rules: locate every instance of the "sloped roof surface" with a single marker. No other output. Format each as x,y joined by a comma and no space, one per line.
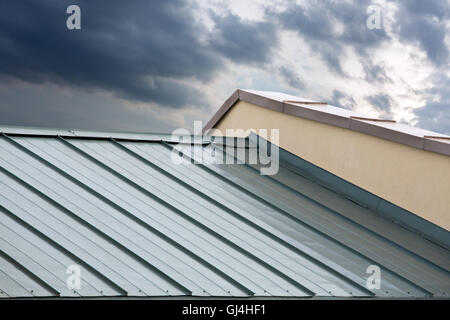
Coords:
138,224
344,118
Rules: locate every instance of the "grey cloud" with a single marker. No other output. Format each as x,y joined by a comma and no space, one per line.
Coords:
434,8
149,51
424,22
291,77
331,57
356,34
435,115
343,100
374,72
243,42
316,23
381,102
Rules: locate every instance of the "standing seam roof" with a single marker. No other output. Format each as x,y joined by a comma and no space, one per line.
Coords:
140,225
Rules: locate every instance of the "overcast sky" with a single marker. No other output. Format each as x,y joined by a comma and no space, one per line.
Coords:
158,65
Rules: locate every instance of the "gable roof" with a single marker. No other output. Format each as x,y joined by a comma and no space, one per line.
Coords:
325,113
139,225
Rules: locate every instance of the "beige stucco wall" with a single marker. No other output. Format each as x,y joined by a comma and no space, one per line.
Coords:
414,179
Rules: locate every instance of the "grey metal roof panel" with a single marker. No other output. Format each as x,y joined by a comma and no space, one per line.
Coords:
339,226
140,225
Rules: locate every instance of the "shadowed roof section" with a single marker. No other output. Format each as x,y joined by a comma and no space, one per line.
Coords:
140,225
325,113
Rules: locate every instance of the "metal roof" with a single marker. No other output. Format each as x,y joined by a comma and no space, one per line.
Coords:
140,225
325,113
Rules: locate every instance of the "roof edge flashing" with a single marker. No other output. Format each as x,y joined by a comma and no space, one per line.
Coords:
365,125
101,135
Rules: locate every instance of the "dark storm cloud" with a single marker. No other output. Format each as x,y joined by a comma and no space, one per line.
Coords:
118,48
136,49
